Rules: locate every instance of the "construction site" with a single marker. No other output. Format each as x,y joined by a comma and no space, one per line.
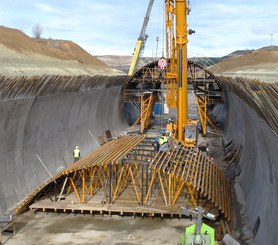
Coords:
174,152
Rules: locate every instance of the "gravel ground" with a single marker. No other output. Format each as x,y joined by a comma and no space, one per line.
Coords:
43,228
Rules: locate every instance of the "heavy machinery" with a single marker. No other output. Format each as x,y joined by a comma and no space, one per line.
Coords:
185,130
199,233
140,44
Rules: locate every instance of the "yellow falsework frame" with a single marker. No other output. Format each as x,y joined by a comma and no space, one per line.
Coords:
147,102
147,105
167,180
202,108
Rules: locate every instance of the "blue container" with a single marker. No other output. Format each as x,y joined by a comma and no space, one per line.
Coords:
157,109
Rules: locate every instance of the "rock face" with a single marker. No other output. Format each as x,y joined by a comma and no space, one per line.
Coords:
22,55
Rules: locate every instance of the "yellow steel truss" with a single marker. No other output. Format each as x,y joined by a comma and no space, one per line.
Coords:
202,108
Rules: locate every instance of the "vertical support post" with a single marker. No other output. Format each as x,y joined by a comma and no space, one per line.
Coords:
83,185
75,190
110,183
63,188
147,177
116,178
142,187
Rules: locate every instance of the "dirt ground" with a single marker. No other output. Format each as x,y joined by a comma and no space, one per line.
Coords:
42,228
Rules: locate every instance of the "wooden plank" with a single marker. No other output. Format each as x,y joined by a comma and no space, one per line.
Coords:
182,164
210,183
217,188
223,227
222,191
197,171
202,171
206,191
220,205
227,227
213,184
228,216
189,168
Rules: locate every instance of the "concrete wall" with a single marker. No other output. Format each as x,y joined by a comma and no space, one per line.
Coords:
258,165
51,126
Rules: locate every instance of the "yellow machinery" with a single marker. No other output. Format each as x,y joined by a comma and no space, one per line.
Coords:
176,74
141,40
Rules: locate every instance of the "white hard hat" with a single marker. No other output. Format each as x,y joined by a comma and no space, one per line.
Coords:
76,147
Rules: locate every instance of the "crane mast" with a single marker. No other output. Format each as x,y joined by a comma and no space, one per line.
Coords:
181,44
141,40
176,75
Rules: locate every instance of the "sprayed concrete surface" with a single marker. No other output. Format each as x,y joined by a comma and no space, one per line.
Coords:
49,127
258,166
41,228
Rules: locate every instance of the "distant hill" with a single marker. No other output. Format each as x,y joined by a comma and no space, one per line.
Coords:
237,53
122,63
118,62
259,64
22,55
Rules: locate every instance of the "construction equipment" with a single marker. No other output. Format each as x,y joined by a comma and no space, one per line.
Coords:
176,73
198,234
140,45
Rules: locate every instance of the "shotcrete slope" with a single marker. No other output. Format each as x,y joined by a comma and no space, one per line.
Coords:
46,120
258,165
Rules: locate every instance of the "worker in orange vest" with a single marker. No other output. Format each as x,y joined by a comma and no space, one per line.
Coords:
76,154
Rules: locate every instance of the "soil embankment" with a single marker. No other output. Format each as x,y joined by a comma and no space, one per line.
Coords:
22,55
261,64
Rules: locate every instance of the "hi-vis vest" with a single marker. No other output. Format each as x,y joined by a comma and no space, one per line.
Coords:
76,153
162,140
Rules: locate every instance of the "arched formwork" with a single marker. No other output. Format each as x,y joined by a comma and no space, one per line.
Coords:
129,175
152,74
207,88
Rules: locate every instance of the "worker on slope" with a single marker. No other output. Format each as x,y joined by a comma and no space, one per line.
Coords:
76,154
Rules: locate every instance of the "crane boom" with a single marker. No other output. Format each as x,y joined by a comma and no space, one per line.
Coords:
140,44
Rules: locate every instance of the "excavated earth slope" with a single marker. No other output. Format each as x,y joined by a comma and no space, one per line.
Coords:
22,55
259,64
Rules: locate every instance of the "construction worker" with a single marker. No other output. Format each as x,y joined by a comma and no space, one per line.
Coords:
76,154
162,141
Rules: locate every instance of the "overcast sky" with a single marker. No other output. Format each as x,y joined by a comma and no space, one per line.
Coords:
113,26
